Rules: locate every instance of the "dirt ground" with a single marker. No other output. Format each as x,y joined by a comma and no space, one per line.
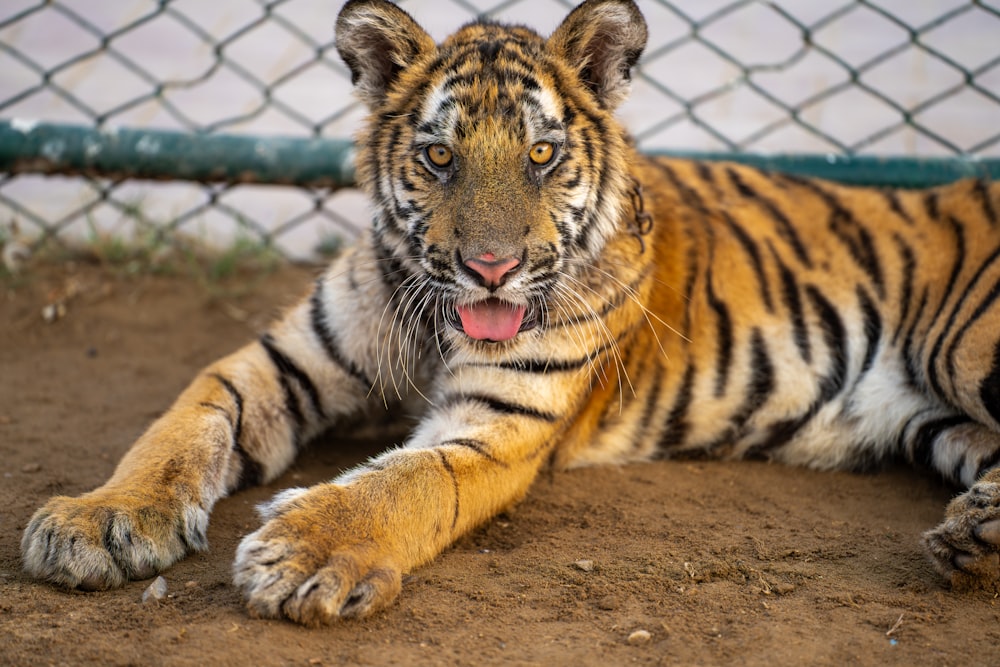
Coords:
720,563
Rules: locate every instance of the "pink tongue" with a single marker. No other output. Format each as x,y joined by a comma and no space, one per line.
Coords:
491,320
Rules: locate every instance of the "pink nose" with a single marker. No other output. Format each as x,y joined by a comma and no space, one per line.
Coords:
489,270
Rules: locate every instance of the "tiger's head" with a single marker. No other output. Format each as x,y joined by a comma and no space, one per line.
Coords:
493,160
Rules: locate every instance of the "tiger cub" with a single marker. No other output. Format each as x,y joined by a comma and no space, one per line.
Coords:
544,295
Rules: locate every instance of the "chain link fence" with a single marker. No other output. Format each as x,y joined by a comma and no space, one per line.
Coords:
830,79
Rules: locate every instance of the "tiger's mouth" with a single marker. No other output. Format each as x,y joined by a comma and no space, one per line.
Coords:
492,320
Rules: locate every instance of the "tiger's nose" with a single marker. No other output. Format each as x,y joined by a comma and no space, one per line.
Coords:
489,271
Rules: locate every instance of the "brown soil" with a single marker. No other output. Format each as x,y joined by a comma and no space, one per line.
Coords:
721,563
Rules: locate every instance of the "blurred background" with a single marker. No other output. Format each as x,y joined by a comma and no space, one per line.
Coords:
823,77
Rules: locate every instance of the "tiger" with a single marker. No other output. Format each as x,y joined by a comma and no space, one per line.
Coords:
536,294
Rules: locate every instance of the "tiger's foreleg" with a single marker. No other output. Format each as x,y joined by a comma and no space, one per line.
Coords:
239,423
339,549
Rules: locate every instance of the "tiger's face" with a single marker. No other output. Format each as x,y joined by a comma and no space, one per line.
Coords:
493,160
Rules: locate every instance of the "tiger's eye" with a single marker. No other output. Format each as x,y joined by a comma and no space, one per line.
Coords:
439,155
541,153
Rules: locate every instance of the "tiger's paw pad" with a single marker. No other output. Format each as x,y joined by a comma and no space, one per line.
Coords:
96,543
283,575
965,547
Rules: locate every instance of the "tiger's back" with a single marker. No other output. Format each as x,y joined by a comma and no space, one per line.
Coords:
821,324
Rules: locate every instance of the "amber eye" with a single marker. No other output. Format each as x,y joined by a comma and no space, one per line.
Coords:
438,155
542,153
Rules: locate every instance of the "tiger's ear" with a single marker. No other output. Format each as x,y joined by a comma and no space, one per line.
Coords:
378,40
602,39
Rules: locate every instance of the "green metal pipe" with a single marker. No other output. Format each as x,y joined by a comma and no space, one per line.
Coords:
52,148
870,170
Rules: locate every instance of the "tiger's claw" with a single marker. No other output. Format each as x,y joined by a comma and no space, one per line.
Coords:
102,541
965,547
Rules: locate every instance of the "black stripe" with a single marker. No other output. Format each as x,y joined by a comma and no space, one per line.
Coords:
785,228
352,277
391,270
446,464
989,388
218,408
892,199
966,293
750,247
931,207
723,336
677,426
981,189
761,384
932,372
759,389
688,194
793,302
704,171
906,284
835,336
922,449
692,273
981,309
501,406
546,366
872,326
649,409
912,365
852,234
478,446
251,470
955,475
317,318
286,369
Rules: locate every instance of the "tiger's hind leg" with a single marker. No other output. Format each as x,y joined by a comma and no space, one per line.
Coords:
965,547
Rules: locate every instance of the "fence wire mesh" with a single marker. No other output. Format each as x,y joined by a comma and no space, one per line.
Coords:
839,77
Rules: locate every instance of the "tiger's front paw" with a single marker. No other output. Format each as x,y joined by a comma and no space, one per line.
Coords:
965,547
104,539
310,565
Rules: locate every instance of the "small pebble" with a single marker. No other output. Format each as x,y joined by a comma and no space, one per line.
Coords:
31,467
783,588
639,637
584,565
156,590
53,312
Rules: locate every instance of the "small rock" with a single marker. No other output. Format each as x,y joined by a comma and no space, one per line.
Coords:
53,312
156,590
31,468
607,603
783,588
639,637
585,565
